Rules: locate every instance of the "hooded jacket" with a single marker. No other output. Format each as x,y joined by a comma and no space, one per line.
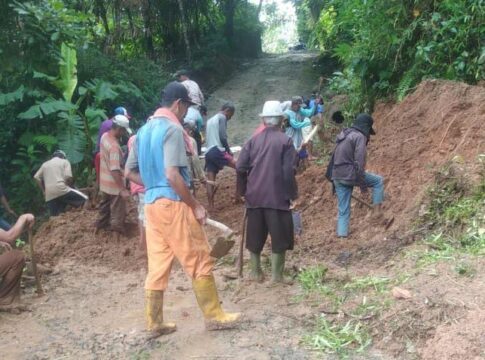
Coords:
349,157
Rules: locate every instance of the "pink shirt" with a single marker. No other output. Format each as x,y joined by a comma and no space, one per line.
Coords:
134,188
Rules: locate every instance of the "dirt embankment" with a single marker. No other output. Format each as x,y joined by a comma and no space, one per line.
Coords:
439,121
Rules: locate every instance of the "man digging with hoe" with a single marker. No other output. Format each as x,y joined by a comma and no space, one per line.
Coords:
174,217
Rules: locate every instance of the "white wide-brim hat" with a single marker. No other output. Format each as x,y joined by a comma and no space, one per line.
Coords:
271,108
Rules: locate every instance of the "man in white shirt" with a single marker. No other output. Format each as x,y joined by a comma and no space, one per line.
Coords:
218,152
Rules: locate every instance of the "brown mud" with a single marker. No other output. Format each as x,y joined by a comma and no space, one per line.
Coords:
94,303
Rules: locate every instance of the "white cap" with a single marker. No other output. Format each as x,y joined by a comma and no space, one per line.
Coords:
122,120
271,108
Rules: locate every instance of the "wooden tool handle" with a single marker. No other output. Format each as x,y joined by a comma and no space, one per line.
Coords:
241,245
40,291
311,135
220,226
362,202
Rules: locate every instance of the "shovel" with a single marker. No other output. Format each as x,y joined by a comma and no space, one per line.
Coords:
40,291
223,243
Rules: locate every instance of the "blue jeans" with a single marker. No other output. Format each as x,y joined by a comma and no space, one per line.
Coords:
344,194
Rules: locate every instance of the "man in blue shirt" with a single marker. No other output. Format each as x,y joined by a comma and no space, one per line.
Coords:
158,161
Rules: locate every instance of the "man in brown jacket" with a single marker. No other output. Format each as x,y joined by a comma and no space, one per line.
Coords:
266,178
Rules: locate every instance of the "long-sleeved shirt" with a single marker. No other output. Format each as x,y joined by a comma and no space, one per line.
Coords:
266,170
216,133
296,123
349,157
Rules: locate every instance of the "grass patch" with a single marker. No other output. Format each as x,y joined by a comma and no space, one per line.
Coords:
312,279
343,297
379,284
456,217
371,307
338,339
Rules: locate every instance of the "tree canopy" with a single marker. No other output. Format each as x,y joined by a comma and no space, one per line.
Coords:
67,63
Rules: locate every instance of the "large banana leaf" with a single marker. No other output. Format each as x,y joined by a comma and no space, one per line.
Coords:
102,90
45,108
8,98
67,80
71,136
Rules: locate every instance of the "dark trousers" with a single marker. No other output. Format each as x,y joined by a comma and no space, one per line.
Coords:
112,213
278,223
11,266
198,140
58,205
4,224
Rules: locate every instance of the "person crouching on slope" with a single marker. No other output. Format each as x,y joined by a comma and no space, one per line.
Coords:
174,217
348,170
266,178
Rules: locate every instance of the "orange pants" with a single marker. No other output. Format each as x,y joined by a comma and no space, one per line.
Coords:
173,232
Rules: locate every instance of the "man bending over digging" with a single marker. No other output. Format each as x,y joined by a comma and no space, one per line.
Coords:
218,152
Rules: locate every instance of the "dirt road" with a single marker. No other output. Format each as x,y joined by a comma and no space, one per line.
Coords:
94,303
269,78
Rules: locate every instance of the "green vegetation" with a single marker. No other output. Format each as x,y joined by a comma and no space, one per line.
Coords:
387,47
379,284
456,217
338,339
312,279
67,64
354,300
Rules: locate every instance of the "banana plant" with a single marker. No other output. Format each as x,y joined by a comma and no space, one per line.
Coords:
78,120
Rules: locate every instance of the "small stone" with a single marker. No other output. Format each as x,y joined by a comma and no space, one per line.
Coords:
400,293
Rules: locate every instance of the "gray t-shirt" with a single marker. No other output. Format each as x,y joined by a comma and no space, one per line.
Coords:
174,153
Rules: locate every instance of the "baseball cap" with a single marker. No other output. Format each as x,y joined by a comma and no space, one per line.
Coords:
59,153
174,91
122,120
120,110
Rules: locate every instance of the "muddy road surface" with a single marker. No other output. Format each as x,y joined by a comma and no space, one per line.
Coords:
269,78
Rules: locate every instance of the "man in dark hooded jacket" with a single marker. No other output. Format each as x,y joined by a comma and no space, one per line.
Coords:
349,170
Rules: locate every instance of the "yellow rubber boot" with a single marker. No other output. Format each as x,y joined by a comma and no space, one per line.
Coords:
215,318
154,314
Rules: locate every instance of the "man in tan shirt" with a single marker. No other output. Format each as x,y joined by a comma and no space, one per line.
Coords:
54,178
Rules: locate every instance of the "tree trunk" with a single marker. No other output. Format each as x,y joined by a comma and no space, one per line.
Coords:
117,22
260,6
101,12
147,29
184,31
229,10
130,21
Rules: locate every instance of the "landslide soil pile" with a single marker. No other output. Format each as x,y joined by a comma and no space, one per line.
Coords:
439,121
71,236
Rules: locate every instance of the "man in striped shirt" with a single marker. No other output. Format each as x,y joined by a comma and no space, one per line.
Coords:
112,208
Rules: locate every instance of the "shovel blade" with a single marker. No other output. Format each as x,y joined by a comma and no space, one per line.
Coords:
221,247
